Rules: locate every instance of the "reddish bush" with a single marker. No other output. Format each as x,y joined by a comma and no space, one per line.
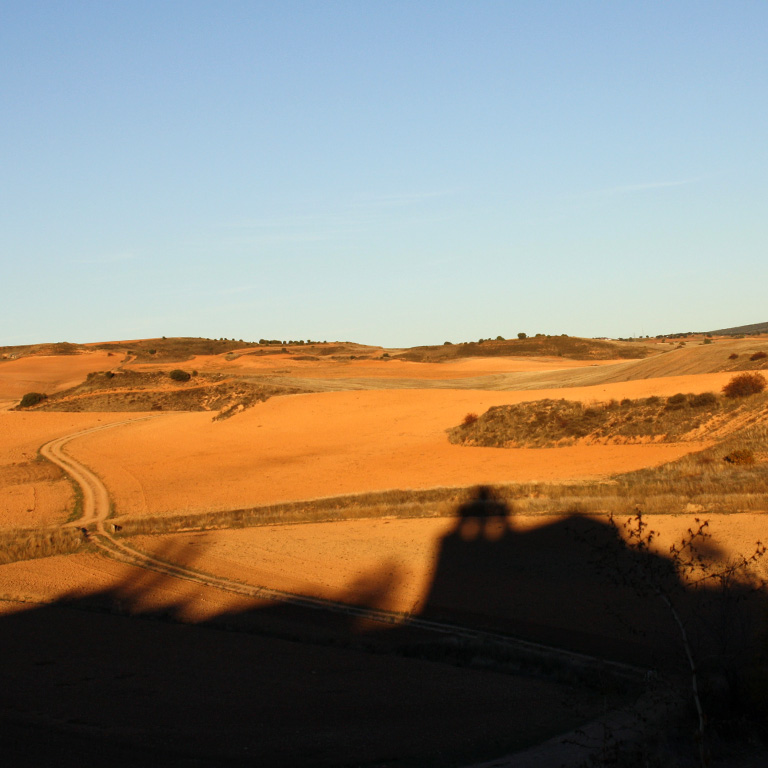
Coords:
740,456
745,384
732,356
758,356
469,419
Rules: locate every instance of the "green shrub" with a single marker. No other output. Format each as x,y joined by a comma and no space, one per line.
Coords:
32,398
745,384
178,375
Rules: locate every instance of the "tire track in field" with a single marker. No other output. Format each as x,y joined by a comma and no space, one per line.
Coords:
96,508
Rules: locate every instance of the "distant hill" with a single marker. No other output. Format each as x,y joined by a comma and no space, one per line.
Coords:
739,329
180,349
538,346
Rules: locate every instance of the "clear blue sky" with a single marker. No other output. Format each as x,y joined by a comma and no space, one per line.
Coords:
394,173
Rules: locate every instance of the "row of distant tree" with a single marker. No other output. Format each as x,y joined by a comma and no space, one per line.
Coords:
520,336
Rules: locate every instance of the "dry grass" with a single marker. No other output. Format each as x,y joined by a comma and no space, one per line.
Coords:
25,350
174,350
21,544
538,346
549,423
135,391
402,504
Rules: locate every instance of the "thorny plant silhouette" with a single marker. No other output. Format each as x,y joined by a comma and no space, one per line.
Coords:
688,567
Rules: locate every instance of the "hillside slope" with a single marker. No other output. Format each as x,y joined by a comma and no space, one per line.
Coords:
746,329
571,347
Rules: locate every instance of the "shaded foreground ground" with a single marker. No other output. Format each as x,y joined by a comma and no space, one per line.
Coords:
328,559
104,689
105,675
108,672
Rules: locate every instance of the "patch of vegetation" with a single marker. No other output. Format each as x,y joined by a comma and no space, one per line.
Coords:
32,398
178,375
28,350
552,346
175,350
402,504
78,501
27,544
131,391
547,423
745,384
715,660
740,456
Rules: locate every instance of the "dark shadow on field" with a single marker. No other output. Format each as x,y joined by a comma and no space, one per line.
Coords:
561,584
116,679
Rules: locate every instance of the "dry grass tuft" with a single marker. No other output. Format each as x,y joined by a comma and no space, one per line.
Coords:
401,504
19,544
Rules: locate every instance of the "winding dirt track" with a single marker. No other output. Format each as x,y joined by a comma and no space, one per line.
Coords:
96,508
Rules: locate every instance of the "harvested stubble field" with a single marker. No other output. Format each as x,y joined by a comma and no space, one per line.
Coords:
193,491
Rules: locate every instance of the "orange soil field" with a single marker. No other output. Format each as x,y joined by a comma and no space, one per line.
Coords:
48,373
306,446
309,446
